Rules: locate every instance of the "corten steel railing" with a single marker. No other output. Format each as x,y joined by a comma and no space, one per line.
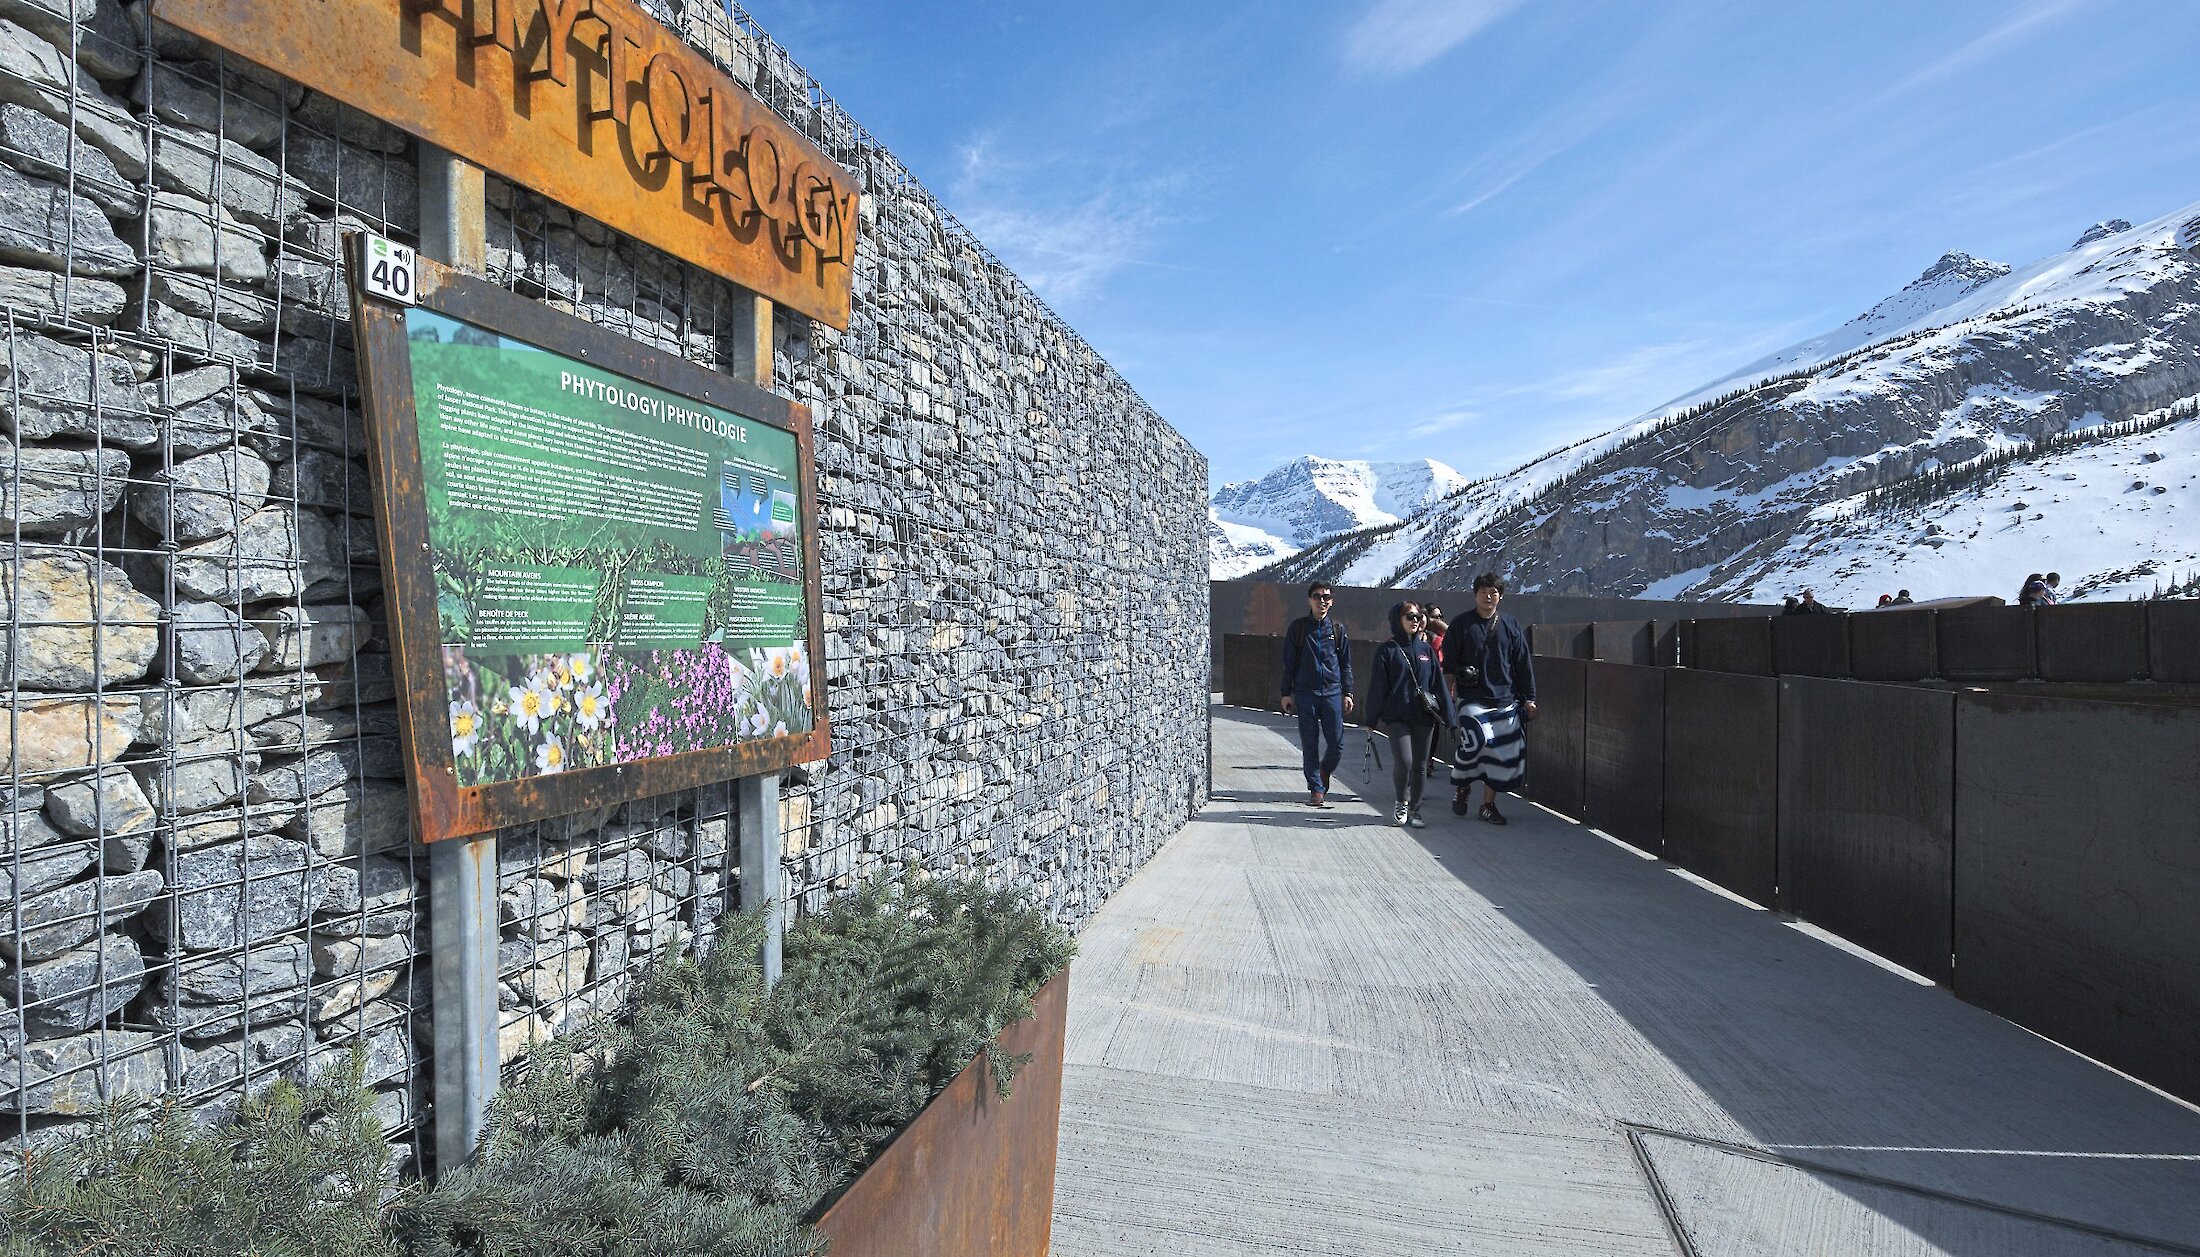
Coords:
2032,848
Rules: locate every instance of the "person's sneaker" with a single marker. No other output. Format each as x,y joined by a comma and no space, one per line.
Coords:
1414,819
1460,801
1398,815
1492,815
1316,800
1325,781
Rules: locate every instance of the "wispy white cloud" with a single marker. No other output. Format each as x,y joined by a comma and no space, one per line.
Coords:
2029,20
1065,247
1397,37
1442,422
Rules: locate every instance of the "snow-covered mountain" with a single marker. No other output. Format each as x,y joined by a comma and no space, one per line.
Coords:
2004,416
1252,523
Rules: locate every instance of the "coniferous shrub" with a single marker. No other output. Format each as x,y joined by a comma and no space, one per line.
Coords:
297,1171
715,1120
720,1116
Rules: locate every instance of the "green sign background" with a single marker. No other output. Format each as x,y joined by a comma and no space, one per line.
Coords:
618,568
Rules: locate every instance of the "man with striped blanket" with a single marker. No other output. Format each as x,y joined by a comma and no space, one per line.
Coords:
1493,675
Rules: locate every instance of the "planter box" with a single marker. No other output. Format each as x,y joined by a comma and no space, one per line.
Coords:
973,1174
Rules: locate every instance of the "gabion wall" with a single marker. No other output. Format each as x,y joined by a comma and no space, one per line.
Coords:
207,867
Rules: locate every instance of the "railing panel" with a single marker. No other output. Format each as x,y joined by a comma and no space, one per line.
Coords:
1892,646
1561,641
2077,877
2102,641
1738,645
1623,753
1624,641
2173,641
1252,670
1722,786
1986,644
1867,815
1811,645
1556,738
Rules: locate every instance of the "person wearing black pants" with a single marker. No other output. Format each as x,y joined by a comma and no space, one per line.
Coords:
1317,688
1407,701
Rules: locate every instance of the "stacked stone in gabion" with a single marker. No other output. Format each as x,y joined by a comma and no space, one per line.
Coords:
207,850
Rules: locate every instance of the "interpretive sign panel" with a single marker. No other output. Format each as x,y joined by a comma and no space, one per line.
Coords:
603,559
592,103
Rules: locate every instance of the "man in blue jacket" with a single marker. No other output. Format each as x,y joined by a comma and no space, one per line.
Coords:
1493,675
1317,687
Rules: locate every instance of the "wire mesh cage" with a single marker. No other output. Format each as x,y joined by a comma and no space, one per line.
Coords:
208,865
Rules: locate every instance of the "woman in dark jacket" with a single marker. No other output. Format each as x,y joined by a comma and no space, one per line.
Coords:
1406,673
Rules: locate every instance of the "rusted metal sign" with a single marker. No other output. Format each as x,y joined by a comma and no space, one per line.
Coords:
601,559
592,103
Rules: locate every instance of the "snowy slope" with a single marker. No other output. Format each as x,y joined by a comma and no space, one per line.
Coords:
1307,500
2117,519
1698,497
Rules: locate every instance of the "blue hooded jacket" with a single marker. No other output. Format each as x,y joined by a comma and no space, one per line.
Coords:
1398,663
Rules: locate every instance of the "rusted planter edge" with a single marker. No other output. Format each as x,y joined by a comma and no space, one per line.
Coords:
972,1174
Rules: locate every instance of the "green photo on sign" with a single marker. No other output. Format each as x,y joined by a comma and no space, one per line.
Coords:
618,568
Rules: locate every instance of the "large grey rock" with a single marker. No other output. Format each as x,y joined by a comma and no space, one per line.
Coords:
202,497
217,906
549,972
275,554
78,989
379,185
194,235
318,478
340,957
55,600
214,644
377,884
48,390
541,909
109,803
267,969
388,1052
193,96
58,920
45,490
241,181
58,734
628,868
105,34
40,146
199,775
77,1076
309,637
354,818
75,297
45,225
267,1053
208,421
232,308
48,857
36,74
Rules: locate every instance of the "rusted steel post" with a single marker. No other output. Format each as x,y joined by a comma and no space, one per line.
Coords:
761,846
462,872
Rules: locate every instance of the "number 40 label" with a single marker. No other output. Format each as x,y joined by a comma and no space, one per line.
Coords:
392,271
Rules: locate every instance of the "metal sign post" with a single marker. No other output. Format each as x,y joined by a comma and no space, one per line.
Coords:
462,874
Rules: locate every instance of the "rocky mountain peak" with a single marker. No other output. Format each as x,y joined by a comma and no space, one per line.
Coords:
1958,266
2102,230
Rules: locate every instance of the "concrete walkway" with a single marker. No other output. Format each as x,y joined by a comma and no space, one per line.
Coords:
1311,1032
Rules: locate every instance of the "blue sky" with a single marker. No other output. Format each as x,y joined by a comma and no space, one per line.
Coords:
1474,230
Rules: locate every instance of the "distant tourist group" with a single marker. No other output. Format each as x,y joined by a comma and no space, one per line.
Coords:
1441,692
